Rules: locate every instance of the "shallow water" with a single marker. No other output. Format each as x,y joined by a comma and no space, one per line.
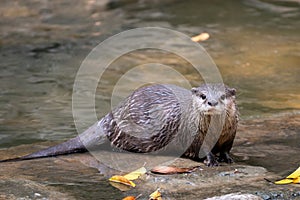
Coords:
254,43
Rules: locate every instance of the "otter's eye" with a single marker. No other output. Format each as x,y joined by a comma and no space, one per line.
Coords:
223,97
203,96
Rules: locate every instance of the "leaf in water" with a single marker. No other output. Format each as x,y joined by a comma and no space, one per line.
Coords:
201,37
295,174
171,170
155,195
122,179
136,174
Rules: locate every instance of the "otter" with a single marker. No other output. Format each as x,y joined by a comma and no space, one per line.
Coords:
154,116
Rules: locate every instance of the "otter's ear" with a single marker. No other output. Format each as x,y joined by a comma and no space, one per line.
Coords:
232,91
194,90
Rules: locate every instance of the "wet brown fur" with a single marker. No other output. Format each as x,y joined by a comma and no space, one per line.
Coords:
156,115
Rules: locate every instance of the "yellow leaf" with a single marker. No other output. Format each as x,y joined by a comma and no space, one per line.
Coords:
122,179
295,174
155,195
284,181
296,180
127,179
201,37
136,174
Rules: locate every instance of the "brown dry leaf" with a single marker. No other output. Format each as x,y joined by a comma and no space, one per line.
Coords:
122,179
201,37
171,170
155,195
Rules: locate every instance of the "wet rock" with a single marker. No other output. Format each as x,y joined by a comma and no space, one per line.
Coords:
236,196
269,142
279,194
25,189
206,181
65,176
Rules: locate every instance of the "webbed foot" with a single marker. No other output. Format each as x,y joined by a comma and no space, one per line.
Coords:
225,157
211,160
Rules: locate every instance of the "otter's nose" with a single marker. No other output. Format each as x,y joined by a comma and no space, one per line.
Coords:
212,103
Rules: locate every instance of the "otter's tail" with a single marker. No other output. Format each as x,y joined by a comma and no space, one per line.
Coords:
74,145
71,146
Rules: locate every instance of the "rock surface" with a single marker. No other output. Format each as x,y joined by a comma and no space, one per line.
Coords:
236,196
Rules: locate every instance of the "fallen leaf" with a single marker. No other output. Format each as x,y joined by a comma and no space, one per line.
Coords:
284,181
122,179
201,37
127,179
295,174
132,197
155,195
129,198
135,174
171,170
296,180
292,178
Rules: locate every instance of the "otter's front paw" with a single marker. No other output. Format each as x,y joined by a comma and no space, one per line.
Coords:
211,160
225,157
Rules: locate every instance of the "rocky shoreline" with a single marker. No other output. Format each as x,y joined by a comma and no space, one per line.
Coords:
258,157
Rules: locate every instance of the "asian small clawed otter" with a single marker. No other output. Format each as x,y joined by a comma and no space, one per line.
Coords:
157,116
215,102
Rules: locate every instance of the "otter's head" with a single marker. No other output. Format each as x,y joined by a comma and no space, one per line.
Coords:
213,99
